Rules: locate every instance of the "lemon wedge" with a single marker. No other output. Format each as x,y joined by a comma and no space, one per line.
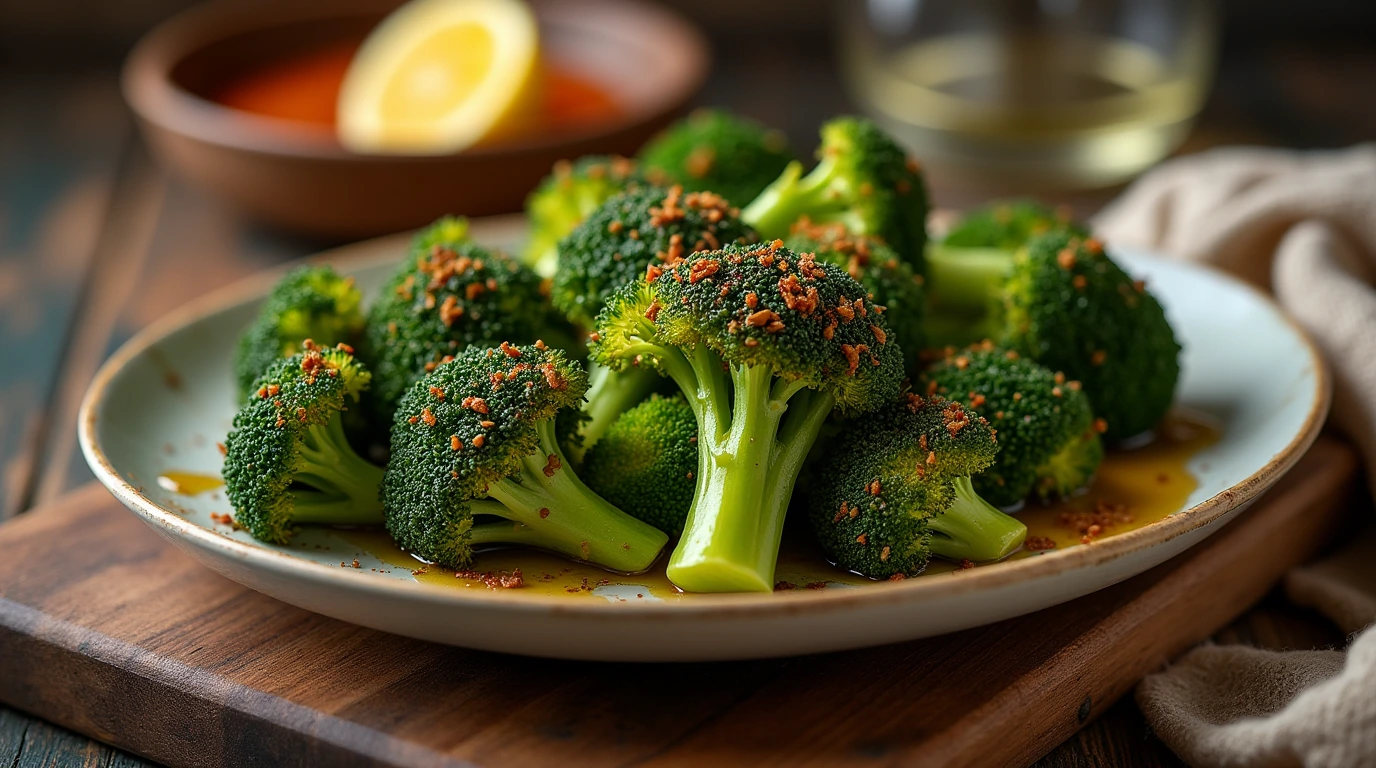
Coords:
438,76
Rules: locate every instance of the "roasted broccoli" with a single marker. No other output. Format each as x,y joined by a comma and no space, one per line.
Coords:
896,490
475,462
447,294
714,150
891,282
639,232
1063,302
308,303
1047,442
567,196
646,462
763,343
287,461
863,180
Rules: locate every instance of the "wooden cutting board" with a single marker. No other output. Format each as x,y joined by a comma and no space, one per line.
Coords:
109,630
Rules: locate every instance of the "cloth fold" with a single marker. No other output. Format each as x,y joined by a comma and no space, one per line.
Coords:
1303,226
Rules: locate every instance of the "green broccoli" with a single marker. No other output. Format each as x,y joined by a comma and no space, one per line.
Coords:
1047,442
447,294
287,461
308,303
474,440
891,282
1063,302
714,150
897,490
639,232
646,462
763,343
567,196
863,180
983,240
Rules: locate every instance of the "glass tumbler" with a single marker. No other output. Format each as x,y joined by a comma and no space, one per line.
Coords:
1036,94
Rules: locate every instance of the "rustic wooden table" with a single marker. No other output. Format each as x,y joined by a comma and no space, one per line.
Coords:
96,241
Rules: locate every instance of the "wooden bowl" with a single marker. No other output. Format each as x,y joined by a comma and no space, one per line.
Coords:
299,178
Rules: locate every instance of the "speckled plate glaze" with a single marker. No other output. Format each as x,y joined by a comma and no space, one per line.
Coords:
167,396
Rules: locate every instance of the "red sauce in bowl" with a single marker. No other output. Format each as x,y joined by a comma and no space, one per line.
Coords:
305,87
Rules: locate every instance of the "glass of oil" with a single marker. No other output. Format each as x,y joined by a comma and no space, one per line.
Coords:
1040,94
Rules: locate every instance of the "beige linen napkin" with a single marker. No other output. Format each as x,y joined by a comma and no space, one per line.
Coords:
1302,225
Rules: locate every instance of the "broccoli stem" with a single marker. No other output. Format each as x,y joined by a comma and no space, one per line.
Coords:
792,196
963,286
973,529
577,522
610,394
344,485
746,475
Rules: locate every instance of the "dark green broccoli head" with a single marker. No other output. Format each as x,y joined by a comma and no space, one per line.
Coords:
809,322
1068,306
891,282
636,230
476,437
1008,225
446,295
714,150
1048,445
308,303
646,462
567,196
863,180
287,461
896,489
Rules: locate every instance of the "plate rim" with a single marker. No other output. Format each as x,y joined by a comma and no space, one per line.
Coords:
940,586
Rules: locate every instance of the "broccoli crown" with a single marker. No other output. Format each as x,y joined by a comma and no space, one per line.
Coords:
467,425
891,282
1047,442
863,180
647,228
808,322
476,438
1008,225
1071,308
567,196
714,150
646,462
286,458
446,295
308,303
889,476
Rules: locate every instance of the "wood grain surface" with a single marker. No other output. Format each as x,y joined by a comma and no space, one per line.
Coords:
107,629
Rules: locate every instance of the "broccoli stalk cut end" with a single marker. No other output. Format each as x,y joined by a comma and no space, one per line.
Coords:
549,507
973,529
745,481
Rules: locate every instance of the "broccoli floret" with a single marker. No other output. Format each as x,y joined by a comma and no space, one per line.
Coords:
1007,225
308,303
763,343
1047,443
891,282
448,293
567,196
1063,302
897,490
287,461
475,462
714,150
639,232
863,180
646,462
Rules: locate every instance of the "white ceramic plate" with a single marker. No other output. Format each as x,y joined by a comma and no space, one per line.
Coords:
167,396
